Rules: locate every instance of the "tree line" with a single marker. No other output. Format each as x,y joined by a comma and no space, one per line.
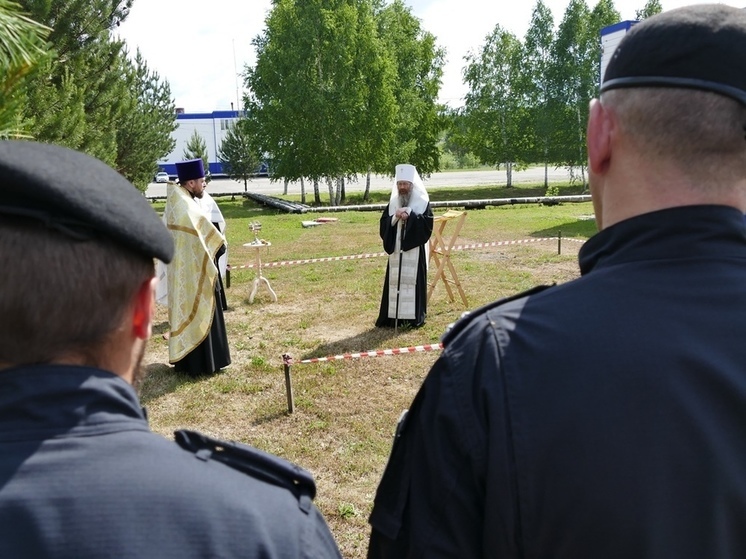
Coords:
340,89
345,88
528,99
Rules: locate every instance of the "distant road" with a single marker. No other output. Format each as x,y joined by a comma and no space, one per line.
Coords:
263,185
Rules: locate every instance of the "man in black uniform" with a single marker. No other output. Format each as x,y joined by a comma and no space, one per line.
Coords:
606,417
81,474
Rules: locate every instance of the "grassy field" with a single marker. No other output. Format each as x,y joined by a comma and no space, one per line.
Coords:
346,410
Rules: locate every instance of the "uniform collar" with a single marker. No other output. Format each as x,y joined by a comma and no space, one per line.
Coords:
53,400
682,232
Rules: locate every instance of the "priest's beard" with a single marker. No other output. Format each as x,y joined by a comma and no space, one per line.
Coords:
403,200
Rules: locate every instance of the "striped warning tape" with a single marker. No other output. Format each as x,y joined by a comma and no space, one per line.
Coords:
310,260
375,353
519,242
379,254
287,361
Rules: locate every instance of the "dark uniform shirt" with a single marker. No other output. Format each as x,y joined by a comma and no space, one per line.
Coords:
602,418
82,476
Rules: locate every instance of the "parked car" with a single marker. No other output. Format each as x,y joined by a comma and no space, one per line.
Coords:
161,177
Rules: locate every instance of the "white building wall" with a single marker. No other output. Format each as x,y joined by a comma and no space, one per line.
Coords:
212,127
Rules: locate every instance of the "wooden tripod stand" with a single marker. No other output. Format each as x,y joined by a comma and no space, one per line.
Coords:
440,253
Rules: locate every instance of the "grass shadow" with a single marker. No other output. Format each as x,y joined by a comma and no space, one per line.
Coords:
269,418
583,228
161,379
370,340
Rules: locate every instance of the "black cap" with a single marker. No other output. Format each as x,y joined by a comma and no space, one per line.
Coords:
700,47
78,195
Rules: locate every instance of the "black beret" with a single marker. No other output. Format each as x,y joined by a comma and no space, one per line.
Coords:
700,47
79,195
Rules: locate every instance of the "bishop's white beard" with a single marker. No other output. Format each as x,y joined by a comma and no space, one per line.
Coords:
403,200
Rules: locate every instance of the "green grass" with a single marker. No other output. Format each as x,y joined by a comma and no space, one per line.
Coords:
346,410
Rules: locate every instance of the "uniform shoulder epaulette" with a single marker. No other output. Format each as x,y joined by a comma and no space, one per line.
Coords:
455,327
253,462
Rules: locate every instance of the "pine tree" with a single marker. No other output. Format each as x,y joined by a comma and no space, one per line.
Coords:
236,153
22,46
74,99
197,148
144,132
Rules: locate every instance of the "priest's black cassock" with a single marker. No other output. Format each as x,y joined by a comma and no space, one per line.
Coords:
410,250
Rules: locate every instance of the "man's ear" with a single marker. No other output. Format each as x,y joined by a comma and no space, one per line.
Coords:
144,308
600,126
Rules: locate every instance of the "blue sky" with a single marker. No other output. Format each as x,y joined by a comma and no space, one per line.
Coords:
201,47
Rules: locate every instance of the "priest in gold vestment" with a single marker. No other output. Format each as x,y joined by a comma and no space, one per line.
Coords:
197,343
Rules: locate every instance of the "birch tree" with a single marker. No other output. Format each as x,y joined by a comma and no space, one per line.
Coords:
651,8
321,101
493,110
419,69
576,55
535,84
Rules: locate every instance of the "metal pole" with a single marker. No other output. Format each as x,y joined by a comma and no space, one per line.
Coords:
235,72
398,280
559,242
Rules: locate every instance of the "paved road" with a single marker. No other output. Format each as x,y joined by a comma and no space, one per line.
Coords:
446,179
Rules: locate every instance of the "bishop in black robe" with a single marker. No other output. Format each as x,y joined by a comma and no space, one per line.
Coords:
405,228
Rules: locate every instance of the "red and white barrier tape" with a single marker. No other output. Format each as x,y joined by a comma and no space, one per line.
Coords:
311,260
504,243
377,254
375,353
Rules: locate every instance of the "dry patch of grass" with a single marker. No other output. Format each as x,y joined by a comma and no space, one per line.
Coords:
345,411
